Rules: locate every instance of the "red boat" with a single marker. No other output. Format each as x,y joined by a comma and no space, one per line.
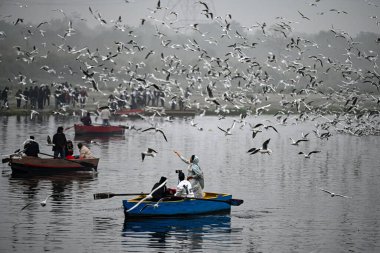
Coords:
98,130
37,165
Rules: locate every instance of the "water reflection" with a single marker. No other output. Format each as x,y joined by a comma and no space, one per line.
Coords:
170,232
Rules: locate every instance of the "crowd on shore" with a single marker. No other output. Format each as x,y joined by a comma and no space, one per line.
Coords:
64,94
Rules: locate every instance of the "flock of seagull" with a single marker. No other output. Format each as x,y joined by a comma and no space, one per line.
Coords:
292,84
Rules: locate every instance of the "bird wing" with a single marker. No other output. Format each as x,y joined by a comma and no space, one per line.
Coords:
142,156
325,191
273,128
150,128
209,91
315,151
254,151
254,134
163,134
150,150
258,125
222,130
301,140
343,196
265,144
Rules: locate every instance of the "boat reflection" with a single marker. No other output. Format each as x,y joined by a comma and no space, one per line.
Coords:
162,231
99,138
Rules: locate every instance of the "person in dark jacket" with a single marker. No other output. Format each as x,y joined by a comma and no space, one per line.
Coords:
31,147
161,192
86,120
59,141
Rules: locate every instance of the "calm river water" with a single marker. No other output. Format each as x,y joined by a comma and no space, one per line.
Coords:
284,209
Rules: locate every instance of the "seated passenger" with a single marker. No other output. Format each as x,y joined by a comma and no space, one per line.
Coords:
184,187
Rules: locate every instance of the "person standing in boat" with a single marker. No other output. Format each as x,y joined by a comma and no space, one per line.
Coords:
105,115
86,120
195,174
84,152
59,142
31,147
184,188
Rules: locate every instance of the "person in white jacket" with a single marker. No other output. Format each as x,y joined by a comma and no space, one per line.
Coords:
184,188
84,152
105,115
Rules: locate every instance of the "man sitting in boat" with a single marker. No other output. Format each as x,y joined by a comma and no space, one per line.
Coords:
31,147
160,192
184,188
84,152
86,120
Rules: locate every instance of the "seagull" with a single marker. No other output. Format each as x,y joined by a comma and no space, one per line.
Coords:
264,149
150,152
308,155
32,113
228,130
295,143
334,194
42,203
157,130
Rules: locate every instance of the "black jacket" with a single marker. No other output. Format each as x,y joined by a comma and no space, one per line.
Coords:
59,141
31,148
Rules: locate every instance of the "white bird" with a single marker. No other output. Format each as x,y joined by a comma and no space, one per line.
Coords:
308,155
264,149
32,113
332,194
297,141
228,130
150,152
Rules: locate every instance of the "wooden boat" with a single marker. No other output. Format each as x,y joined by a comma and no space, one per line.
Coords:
210,203
98,130
37,165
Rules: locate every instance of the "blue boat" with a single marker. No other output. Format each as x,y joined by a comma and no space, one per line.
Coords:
173,206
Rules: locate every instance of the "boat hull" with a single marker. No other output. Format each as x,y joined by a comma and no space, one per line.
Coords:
181,207
36,165
98,130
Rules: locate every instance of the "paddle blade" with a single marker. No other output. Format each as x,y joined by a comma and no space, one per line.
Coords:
103,195
235,202
5,160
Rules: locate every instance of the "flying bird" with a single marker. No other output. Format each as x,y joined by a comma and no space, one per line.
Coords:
228,130
150,152
157,130
264,149
295,143
332,194
32,113
308,155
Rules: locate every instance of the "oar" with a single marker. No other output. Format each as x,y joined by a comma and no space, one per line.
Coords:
6,160
67,128
232,202
108,195
86,164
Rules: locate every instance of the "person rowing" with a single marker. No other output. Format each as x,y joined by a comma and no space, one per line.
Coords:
31,147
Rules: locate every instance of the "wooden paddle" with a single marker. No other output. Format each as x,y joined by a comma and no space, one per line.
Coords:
85,164
232,202
108,195
16,152
67,128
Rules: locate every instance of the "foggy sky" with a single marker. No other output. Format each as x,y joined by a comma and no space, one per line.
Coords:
246,12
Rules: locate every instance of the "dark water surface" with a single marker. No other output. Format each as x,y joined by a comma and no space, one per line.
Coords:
284,208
